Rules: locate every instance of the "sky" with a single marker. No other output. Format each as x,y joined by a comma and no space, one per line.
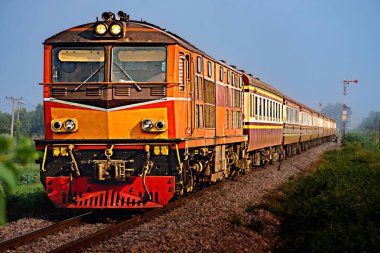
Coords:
304,48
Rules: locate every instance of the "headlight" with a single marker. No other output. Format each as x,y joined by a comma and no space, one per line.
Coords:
57,125
115,29
69,125
100,29
160,125
147,125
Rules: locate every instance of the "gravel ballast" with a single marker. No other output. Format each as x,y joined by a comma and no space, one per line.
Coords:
206,224
209,223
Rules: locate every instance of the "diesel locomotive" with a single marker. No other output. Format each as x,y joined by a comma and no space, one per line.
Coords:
136,115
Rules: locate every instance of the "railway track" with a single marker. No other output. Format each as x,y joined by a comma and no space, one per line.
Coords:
101,234
129,223
35,235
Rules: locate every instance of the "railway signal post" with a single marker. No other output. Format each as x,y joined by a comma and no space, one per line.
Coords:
344,109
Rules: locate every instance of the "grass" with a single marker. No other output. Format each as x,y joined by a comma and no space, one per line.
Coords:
30,198
337,207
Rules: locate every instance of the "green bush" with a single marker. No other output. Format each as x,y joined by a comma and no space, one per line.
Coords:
336,208
13,158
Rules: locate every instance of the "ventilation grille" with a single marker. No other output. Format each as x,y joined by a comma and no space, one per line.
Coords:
158,91
113,199
92,91
122,91
58,92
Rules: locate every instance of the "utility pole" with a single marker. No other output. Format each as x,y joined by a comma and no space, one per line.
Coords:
14,100
18,109
344,109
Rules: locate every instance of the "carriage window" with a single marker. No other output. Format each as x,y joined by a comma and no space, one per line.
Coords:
260,108
75,64
221,74
209,68
264,108
228,76
256,106
270,109
138,64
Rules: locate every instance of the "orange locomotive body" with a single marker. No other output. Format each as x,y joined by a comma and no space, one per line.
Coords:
135,116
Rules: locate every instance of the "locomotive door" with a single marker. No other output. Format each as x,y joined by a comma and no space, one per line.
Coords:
189,92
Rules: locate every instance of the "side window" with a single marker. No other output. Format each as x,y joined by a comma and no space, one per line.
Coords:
199,64
233,79
256,106
221,74
228,76
209,68
264,108
253,105
270,110
261,108
250,105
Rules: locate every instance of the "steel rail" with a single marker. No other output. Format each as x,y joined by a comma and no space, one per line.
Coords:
127,224
28,237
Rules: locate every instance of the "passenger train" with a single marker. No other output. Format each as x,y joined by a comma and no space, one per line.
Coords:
136,116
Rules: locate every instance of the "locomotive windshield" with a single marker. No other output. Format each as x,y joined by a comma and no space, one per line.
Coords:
73,64
138,64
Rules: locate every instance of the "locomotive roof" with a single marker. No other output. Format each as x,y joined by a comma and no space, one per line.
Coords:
136,32
144,32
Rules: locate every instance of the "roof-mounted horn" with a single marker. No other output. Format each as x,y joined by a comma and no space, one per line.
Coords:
107,16
123,16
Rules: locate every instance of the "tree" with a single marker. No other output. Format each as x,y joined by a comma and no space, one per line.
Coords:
5,123
37,121
22,124
335,112
12,158
27,123
372,122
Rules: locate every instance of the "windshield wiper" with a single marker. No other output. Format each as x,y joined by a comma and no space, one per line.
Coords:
137,87
88,78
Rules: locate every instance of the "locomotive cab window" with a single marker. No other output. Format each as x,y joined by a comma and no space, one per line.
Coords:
138,64
75,64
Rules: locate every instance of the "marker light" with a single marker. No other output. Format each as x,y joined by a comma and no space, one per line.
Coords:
147,125
115,29
57,125
100,29
160,125
69,125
